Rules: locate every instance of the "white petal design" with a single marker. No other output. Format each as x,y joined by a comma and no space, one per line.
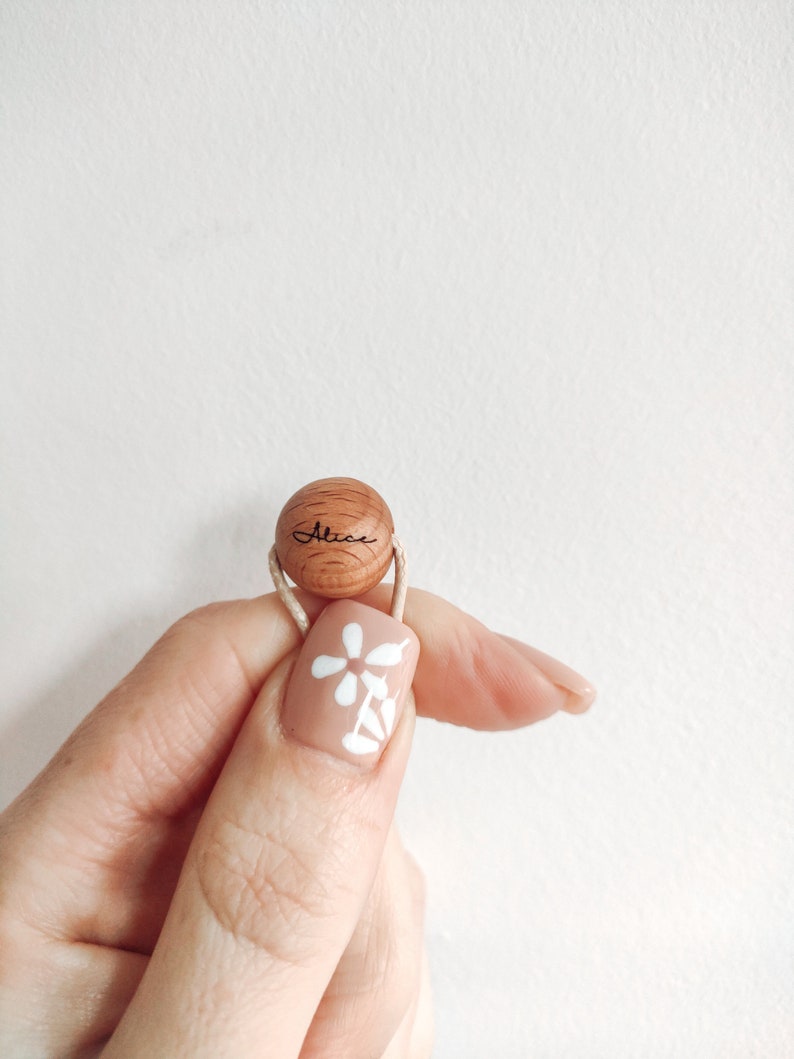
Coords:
369,720
377,685
355,743
353,638
387,708
346,689
385,654
326,665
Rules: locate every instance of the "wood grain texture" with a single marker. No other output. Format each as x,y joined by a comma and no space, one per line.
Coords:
334,537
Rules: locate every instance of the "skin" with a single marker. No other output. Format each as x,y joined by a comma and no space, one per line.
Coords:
181,880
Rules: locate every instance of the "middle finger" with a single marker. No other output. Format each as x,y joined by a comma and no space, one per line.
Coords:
378,976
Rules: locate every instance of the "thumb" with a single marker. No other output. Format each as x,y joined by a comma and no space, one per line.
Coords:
286,850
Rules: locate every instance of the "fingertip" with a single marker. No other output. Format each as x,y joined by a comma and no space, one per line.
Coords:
469,675
579,691
580,702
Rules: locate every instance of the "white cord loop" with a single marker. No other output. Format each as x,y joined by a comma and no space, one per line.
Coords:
299,615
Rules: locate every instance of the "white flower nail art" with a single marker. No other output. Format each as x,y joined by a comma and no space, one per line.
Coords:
378,722
385,654
380,727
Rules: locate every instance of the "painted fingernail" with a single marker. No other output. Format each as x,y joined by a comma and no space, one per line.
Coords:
581,693
350,682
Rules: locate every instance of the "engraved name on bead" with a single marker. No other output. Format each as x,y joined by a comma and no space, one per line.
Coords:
334,537
326,536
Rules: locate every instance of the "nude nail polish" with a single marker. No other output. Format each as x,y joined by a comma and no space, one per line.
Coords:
350,682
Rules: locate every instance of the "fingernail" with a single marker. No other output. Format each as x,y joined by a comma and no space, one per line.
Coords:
350,682
581,693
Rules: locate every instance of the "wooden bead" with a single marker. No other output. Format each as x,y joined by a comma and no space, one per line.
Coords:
334,537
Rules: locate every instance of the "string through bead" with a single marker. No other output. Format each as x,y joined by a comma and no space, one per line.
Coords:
400,579
296,610
287,596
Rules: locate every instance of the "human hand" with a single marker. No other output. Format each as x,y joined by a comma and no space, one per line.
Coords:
184,879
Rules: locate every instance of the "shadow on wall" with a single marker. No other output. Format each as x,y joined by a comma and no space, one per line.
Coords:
226,559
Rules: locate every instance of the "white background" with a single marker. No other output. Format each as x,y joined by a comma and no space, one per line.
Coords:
527,268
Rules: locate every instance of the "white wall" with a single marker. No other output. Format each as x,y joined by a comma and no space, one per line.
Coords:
527,268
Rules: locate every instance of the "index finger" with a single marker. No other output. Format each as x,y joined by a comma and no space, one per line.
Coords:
159,738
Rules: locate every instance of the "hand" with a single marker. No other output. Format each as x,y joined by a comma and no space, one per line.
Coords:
184,879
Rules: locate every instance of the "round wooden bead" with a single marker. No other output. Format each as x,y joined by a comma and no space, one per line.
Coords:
334,537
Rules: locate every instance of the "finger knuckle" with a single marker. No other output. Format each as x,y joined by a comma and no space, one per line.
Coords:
262,890
207,615
213,661
202,625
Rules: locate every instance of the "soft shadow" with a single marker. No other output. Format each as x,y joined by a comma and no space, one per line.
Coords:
226,559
